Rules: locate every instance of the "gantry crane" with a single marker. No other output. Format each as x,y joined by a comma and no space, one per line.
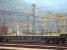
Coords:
33,19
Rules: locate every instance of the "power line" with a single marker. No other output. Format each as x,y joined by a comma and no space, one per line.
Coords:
5,12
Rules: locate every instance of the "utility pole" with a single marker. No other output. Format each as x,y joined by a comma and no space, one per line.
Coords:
27,26
33,22
10,23
0,26
57,23
62,18
43,26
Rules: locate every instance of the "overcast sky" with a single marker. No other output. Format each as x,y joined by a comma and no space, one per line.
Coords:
52,5
55,5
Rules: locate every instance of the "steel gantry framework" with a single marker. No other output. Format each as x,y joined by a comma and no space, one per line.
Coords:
44,20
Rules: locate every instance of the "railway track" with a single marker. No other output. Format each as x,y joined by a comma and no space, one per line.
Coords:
31,45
